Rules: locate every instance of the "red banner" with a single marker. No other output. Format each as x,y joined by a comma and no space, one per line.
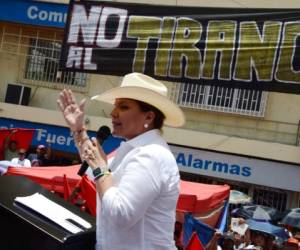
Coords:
22,137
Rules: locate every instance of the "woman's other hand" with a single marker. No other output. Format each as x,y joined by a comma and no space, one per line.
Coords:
94,154
72,112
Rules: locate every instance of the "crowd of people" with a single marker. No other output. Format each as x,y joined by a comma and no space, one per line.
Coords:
251,238
42,156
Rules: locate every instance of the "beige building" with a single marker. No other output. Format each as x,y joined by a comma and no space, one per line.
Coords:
253,146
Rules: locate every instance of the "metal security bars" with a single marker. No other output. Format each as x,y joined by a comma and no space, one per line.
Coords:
270,197
38,52
221,99
42,64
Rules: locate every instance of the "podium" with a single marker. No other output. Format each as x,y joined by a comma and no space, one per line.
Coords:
23,229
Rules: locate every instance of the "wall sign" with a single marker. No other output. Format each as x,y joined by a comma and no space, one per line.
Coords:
229,47
34,12
238,168
60,138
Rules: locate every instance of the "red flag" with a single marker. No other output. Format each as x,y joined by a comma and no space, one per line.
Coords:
194,243
4,133
23,137
67,189
88,193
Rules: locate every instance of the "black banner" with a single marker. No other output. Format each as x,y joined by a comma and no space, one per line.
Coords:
238,48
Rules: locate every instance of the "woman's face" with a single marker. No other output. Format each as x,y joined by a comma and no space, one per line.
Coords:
128,120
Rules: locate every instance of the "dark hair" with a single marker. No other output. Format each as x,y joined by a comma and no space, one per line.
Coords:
159,116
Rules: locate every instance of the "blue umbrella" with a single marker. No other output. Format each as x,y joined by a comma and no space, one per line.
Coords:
257,212
268,228
292,218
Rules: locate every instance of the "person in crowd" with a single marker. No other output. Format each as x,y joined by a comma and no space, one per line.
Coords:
213,243
227,241
21,159
10,147
42,156
246,239
240,233
107,140
138,191
270,241
11,150
258,239
291,244
277,244
237,240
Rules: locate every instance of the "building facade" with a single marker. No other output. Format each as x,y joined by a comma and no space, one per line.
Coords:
247,139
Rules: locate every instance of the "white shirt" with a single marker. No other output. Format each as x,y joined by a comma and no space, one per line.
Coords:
25,163
138,212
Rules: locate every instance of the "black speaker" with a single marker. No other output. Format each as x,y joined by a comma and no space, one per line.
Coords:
17,94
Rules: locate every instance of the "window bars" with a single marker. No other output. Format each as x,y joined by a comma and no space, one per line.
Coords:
39,51
42,64
270,197
221,99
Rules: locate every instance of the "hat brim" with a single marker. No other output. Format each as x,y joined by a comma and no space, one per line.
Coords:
173,115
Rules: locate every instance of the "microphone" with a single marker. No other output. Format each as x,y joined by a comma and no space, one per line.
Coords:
84,166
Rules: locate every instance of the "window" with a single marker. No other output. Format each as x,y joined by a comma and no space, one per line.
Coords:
238,101
270,198
42,64
38,53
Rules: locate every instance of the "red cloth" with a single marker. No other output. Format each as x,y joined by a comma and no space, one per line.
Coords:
3,134
51,178
88,193
61,180
194,243
67,189
194,197
198,197
23,137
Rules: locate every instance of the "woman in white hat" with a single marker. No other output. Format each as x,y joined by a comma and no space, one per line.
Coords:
138,195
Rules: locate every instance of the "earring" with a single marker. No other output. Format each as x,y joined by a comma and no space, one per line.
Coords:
146,125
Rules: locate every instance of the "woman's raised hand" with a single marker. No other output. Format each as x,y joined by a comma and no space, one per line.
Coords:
72,112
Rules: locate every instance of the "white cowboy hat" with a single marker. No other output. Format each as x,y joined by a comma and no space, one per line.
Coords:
144,88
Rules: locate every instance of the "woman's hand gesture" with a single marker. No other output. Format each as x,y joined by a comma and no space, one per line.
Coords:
72,112
94,154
